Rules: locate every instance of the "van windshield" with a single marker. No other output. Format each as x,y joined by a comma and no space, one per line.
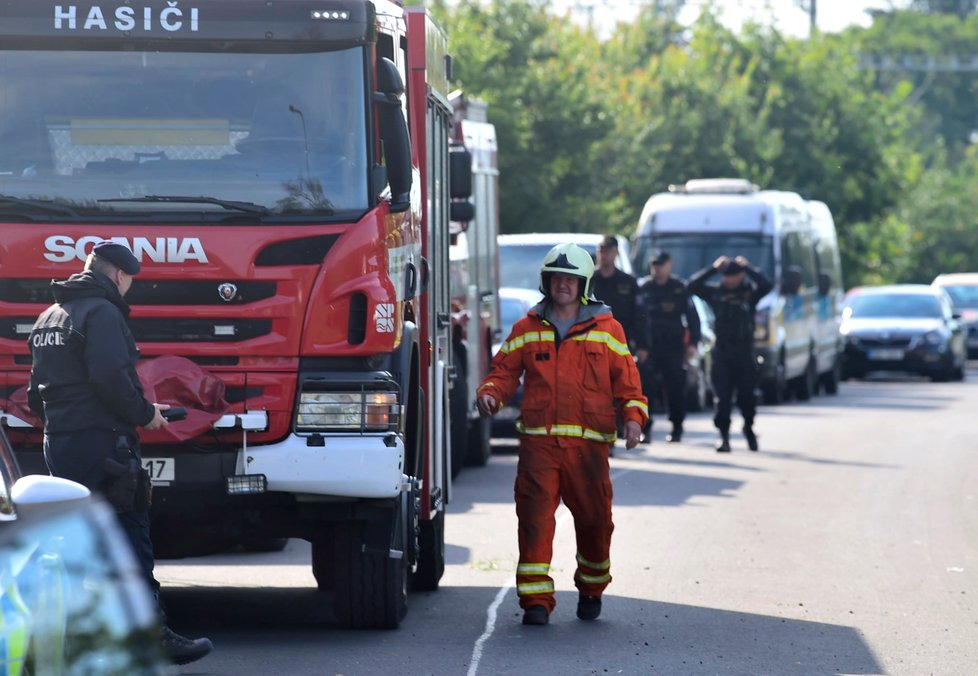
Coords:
691,253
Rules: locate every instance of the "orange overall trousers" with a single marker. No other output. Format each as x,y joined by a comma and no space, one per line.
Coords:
576,471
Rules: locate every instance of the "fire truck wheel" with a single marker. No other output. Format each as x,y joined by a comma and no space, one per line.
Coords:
322,561
458,428
431,560
370,590
258,544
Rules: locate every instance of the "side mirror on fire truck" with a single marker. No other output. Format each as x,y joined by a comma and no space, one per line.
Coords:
460,180
394,134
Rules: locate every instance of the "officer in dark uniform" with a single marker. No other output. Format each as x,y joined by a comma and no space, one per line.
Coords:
734,302
665,313
84,387
615,288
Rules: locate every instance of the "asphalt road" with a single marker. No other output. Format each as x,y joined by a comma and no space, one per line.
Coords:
848,545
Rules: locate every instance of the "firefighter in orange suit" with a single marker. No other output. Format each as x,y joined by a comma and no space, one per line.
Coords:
576,368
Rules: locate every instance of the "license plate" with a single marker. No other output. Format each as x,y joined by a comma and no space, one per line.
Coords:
886,355
161,470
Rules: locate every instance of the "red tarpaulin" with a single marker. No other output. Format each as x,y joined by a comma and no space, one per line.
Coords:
166,380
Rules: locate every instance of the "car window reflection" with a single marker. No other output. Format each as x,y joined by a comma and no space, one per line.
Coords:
72,599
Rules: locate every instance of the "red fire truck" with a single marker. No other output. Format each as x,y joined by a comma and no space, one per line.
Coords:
282,169
475,279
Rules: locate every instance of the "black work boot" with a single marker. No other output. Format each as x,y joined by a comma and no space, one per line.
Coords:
588,607
751,437
183,650
676,435
536,615
723,445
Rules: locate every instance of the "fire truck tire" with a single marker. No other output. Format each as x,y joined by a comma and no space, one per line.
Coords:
322,561
267,544
478,449
458,428
370,590
431,560
173,539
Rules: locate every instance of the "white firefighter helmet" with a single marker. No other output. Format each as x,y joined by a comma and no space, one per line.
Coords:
568,259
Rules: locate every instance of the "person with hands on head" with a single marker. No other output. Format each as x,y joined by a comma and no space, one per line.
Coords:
668,333
734,302
84,387
576,367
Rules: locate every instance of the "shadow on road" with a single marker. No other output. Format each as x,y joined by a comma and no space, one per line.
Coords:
493,484
633,636
666,638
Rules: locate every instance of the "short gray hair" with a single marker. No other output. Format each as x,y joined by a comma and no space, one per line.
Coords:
99,264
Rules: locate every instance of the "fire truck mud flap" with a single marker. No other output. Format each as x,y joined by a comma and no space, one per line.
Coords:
354,466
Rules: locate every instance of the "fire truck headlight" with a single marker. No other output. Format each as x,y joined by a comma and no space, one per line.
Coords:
365,411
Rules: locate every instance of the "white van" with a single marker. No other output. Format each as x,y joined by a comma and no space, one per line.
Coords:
791,240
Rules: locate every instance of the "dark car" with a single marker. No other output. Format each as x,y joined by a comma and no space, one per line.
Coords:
72,600
514,303
904,327
962,287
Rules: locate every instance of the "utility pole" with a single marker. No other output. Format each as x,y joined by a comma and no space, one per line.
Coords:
812,7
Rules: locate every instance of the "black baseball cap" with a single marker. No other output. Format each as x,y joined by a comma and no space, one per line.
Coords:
117,254
732,267
660,256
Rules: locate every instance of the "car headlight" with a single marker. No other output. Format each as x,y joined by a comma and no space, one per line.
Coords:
931,340
364,411
762,326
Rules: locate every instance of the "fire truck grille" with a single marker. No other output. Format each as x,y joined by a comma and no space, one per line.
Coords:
153,292
167,330
198,330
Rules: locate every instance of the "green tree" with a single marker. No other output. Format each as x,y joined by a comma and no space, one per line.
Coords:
535,71
940,220
949,98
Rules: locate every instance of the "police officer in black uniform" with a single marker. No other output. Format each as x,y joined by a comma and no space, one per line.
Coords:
613,287
84,387
734,302
665,314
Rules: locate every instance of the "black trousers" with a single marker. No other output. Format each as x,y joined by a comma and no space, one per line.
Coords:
668,363
734,372
79,456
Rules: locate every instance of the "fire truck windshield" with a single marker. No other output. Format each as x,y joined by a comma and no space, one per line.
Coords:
103,133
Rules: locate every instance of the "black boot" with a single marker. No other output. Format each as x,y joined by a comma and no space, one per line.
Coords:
676,435
536,615
183,650
751,437
588,607
723,445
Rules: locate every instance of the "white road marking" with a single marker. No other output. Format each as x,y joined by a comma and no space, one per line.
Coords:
493,610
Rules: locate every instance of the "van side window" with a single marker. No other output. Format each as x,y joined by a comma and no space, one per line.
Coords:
798,252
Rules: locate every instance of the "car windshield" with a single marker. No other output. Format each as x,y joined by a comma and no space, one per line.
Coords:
900,305
165,132
691,253
963,295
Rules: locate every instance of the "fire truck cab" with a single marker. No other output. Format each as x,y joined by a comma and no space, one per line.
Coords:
281,168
